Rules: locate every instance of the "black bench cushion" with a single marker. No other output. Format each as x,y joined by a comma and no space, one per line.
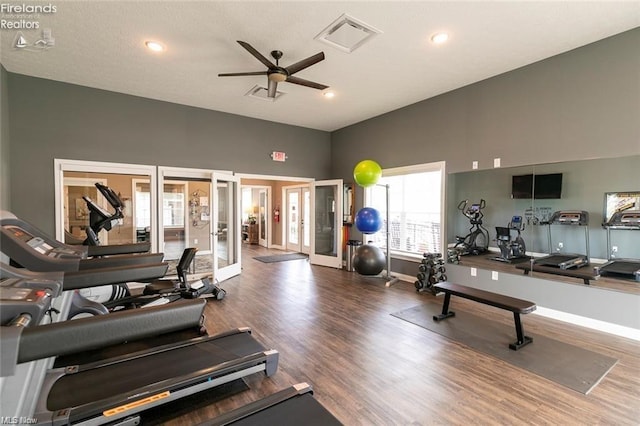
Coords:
493,299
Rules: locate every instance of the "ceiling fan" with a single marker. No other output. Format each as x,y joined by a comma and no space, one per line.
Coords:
276,74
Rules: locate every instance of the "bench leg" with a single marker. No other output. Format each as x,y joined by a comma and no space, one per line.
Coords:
522,339
445,309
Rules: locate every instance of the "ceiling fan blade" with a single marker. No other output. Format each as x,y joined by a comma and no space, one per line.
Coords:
303,82
271,91
298,66
237,74
257,54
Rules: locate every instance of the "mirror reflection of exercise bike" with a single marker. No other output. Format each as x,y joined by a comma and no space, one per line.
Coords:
477,240
511,250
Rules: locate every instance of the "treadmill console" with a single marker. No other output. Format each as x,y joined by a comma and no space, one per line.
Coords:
40,245
570,217
20,301
629,219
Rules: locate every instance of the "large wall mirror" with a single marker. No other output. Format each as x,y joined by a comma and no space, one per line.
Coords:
507,206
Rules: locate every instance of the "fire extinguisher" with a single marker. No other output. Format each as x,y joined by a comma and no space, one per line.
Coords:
276,214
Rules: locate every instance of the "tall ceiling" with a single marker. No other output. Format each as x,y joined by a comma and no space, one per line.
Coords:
100,44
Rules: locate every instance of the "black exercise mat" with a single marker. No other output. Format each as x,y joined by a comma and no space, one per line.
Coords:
281,257
568,365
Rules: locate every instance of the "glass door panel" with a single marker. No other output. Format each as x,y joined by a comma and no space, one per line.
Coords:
326,223
226,220
185,216
306,220
262,217
293,219
77,217
173,212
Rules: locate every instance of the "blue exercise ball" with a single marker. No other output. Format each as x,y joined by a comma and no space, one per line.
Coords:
369,260
368,220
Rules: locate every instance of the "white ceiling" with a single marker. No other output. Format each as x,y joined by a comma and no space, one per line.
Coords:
100,44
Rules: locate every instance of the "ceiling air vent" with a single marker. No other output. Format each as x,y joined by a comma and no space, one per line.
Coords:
347,33
259,92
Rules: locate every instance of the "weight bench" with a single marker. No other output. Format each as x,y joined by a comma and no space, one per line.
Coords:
517,306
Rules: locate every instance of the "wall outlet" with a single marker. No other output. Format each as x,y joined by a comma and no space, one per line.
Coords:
496,162
195,241
494,275
560,246
474,165
474,272
614,249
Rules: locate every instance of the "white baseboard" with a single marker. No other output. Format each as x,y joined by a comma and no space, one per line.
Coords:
607,327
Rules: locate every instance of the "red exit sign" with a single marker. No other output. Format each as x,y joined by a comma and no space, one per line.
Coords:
278,156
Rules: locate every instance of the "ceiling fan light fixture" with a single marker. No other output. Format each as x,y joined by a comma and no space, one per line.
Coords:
277,77
347,33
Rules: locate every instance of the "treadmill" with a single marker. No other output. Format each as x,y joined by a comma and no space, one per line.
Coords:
292,406
628,268
566,260
31,248
121,387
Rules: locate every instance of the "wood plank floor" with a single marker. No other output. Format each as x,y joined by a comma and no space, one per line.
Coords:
333,329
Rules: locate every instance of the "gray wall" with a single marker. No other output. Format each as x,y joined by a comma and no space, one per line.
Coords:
582,104
4,141
579,105
56,120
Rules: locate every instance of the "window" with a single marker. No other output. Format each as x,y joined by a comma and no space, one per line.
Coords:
416,208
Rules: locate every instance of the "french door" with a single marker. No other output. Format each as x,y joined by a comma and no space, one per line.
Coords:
226,225
200,209
326,223
263,218
298,209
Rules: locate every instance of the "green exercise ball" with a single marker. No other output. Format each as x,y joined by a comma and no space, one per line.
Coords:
367,173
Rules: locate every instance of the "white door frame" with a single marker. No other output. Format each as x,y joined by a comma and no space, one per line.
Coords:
320,259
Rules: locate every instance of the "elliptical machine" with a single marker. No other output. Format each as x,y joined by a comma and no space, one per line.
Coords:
511,250
477,240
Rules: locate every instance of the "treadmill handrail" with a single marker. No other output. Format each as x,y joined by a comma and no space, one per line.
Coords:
114,275
68,337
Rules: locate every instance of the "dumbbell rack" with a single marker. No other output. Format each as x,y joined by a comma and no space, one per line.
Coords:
431,271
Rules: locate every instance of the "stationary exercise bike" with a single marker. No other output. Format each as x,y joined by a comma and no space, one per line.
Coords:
511,250
477,240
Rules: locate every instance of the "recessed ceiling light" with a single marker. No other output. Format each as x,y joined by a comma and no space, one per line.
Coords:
439,38
329,94
154,46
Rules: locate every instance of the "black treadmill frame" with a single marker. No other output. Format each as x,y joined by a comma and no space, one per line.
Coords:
134,401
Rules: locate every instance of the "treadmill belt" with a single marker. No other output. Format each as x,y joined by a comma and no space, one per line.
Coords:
92,385
622,267
299,410
554,259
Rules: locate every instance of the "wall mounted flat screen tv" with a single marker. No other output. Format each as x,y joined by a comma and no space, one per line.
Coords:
539,187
